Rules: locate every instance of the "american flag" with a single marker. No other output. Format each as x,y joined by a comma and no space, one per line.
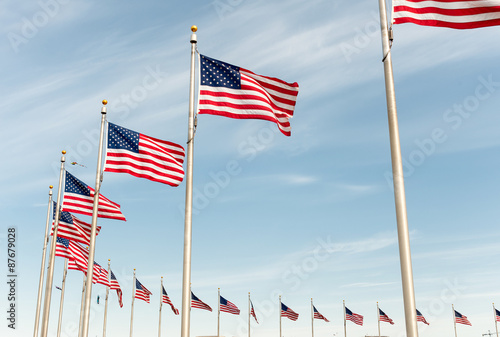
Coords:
62,248
350,316
226,306
462,319
382,317
113,284
457,14
231,91
141,292
166,299
79,198
103,275
287,312
70,227
143,156
197,303
252,312
317,315
497,315
421,318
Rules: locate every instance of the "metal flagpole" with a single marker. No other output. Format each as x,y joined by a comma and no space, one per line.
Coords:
279,310
90,267
42,268
132,306
398,181
454,319
312,318
249,311
52,257
495,318
218,313
345,323
161,298
106,302
81,305
378,319
188,215
65,272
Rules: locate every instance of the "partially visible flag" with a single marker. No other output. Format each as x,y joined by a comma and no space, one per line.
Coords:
58,288
62,248
421,318
289,313
252,312
462,319
113,284
231,91
141,292
382,316
166,299
103,276
143,156
73,266
70,227
79,198
317,315
457,14
497,315
350,316
197,303
226,306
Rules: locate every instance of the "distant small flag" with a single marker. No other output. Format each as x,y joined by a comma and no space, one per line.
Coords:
421,318
197,303
113,284
289,313
165,299
252,312
462,319
70,227
103,276
231,91
382,316
350,316
141,292
98,299
58,288
497,315
75,163
79,198
317,315
226,306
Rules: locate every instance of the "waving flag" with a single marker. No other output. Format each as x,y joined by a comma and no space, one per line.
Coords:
79,198
226,306
497,315
143,156
383,317
103,275
166,299
289,313
421,318
62,248
462,319
70,227
252,312
197,303
350,316
113,284
458,14
141,292
234,92
317,315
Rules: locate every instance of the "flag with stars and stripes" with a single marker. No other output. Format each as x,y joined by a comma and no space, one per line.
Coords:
197,303
317,315
497,315
350,316
141,292
143,156
252,312
462,319
289,313
79,198
382,317
421,318
103,275
165,299
62,248
231,91
113,284
70,227
226,306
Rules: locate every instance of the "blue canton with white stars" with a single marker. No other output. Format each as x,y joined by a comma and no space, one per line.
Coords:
216,73
121,138
63,241
74,185
63,216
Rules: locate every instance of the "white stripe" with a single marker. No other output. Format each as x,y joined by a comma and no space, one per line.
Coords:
448,18
448,5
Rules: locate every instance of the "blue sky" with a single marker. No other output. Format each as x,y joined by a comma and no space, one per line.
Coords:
306,216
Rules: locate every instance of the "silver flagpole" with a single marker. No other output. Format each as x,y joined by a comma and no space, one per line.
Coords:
106,303
218,313
398,181
42,268
132,306
90,267
280,315
52,256
495,318
65,272
249,311
378,319
454,319
81,305
312,318
188,215
345,322
161,300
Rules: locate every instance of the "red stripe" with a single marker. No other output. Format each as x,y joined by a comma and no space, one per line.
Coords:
448,11
455,25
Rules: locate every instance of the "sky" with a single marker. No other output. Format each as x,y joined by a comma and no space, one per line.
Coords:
310,216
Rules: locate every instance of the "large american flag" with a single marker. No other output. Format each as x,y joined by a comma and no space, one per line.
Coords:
462,319
79,198
382,317
458,14
350,316
197,303
287,312
113,284
231,91
143,156
70,227
165,299
252,312
141,292
317,315
421,318
226,306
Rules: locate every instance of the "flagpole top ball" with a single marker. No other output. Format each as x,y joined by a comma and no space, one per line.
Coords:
51,187
63,152
104,102
194,29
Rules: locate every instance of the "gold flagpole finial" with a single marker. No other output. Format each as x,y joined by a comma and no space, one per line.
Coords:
194,29
162,277
109,260
63,152
51,187
104,102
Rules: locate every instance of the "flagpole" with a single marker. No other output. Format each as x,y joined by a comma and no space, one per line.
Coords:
161,299
132,306
398,181
280,315
378,319
65,272
454,319
93,230
312,318
106,303
218,313
81,305
345,323
495,318
42,268
52,257
250,310
186,274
